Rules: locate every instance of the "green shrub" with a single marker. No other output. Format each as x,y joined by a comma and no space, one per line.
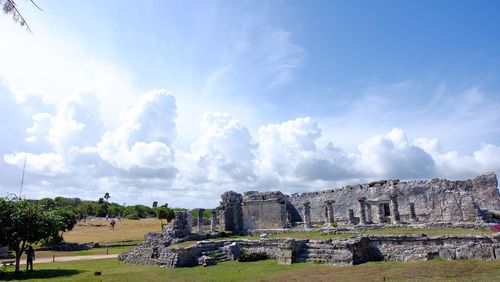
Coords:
132,216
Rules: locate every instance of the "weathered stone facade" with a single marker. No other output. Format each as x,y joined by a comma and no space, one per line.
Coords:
436,200
231,212
266,210
387,201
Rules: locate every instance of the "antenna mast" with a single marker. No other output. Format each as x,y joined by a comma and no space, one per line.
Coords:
22,179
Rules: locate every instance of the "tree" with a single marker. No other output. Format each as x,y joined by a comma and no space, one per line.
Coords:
155,204
25,223
164,213
67,222
10,7
107,196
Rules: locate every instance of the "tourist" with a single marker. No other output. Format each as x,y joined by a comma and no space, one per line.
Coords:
112,224
30,257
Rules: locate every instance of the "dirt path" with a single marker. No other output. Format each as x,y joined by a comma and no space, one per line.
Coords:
72,258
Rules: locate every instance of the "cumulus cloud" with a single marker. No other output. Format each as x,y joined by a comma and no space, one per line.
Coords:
392,154
46,163
145,135
77,123
288,155
224,152
70,152
454,165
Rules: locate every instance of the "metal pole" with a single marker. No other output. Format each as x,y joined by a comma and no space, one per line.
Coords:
22,179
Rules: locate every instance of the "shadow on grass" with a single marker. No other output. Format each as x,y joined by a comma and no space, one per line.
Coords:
38,274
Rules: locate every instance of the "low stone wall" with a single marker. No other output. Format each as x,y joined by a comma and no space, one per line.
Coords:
331,251
412,248
146,254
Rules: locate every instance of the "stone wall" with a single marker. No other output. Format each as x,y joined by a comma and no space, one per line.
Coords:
331,251
411,248
264,210
158,255
434,200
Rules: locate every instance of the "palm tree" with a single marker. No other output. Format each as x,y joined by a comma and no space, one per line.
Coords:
107,196
10,7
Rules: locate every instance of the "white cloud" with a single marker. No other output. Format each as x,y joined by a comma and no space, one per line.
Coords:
46,163
452,164
223,153
288,156
393,155
145,136
73,157
71,153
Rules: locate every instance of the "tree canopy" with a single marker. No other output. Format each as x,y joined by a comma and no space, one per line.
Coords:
24,223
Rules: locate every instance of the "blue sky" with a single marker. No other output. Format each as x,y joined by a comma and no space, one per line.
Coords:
183,100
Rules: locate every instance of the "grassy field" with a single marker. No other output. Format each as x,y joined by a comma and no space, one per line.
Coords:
99,231
268,270
93,251
129,232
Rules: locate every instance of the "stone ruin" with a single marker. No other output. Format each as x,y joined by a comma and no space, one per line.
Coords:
379,202
430,203
350,251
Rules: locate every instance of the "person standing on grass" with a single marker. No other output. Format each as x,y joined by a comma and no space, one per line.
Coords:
112,224
30,257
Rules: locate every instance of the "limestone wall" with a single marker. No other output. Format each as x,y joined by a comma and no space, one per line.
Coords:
267,210
435,200
156,254
411,248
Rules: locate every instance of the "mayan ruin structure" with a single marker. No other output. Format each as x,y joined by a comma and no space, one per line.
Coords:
472,203
387,201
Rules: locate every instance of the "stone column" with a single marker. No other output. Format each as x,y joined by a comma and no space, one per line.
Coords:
307,215
351,217
200,221
369,213
213,221
285,253
221,219
189,219
413,215
380,213
395,209
329,211
362,210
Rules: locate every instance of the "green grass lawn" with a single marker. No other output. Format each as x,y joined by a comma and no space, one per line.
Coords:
268,270
316,235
